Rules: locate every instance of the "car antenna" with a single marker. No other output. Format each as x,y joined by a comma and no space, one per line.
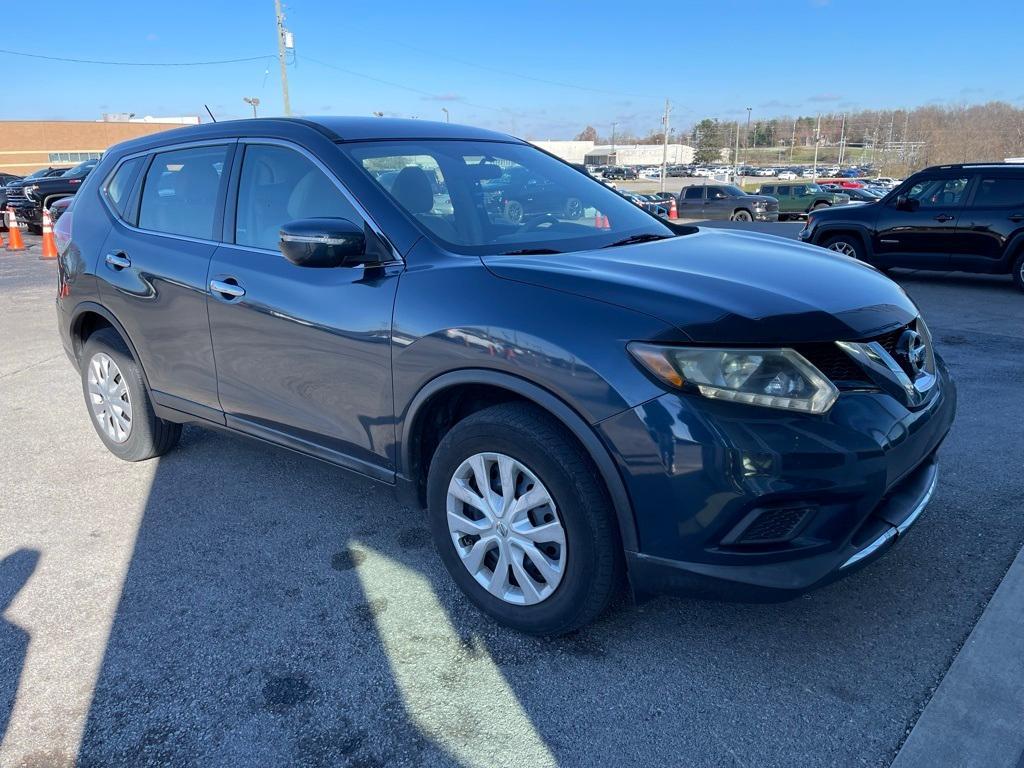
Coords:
210,113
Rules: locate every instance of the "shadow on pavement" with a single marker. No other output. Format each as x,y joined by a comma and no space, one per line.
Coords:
15,571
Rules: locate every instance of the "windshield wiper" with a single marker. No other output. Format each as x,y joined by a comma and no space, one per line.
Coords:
643,238
530,252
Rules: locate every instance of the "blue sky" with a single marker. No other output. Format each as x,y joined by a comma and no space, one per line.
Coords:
537,69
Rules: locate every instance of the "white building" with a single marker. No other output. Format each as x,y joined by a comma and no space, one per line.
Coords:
130,117
624,154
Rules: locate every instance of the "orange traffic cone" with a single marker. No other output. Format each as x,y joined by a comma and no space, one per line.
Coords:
601,222
673,212
16,243
49,242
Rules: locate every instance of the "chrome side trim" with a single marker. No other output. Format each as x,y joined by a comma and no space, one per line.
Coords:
892,534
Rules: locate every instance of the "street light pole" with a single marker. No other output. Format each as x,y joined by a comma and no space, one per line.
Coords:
447,117
253,101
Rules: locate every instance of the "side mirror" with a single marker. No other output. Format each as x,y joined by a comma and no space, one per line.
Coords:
322,242
904,203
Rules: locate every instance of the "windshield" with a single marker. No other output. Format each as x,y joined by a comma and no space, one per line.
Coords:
81,169
39,173
732,190
483,197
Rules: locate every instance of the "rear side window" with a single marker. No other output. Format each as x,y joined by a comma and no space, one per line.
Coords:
999,193
120,184
181,191
694,193
279,185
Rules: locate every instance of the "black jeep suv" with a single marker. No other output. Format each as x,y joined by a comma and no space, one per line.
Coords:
950,217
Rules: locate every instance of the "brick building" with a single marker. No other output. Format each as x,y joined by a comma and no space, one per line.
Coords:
26,145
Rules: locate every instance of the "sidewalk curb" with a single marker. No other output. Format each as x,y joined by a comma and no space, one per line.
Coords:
976,717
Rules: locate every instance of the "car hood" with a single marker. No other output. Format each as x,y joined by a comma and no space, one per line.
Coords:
723,286
759,197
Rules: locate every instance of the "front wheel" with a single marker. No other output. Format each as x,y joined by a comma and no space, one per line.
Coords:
819,206
522,521
846,245
1018,271
741,216
118,402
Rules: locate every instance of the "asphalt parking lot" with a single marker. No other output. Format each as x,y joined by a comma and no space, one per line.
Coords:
232,603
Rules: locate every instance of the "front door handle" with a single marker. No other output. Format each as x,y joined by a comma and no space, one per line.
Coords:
944,217
118,261
227,290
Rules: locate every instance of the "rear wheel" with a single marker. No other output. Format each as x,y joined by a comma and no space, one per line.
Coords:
522,522
514,211
819,206
741,215
846,245
118,402
1018,271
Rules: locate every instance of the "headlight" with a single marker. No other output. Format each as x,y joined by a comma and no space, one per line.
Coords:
30,190
773,378
760,203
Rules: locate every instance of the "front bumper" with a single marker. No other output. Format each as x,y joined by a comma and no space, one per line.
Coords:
697,471
766,215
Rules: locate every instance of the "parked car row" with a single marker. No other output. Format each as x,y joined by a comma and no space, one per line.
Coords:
28,196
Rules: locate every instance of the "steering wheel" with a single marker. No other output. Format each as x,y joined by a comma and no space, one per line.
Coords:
545,218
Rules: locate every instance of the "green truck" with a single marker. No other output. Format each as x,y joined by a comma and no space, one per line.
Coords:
798,199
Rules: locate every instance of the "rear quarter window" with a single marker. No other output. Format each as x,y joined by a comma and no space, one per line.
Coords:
119,184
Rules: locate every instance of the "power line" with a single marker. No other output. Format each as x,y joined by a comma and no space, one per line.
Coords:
401,86
133,63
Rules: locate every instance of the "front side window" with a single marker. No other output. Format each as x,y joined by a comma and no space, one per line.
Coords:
484,197
938,193
278,185
999,193
784,189
181,190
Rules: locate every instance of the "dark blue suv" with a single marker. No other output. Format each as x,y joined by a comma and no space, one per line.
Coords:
585,397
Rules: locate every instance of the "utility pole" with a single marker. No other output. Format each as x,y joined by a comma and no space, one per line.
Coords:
817,141
614,162
736,156
664,145
746,139
282,34
842,140
792,142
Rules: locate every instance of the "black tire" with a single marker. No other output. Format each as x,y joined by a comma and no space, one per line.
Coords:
848,245
594,563
741,215
1018,271
149,436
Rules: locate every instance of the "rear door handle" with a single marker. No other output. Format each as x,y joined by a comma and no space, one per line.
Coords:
118,261
226,290
944,217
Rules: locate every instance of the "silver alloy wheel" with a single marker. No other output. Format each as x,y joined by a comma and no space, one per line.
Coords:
506,529
741,216
514,211
844,248
108,397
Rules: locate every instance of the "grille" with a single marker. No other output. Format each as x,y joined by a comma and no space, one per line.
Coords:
774,525
16,196
840,367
